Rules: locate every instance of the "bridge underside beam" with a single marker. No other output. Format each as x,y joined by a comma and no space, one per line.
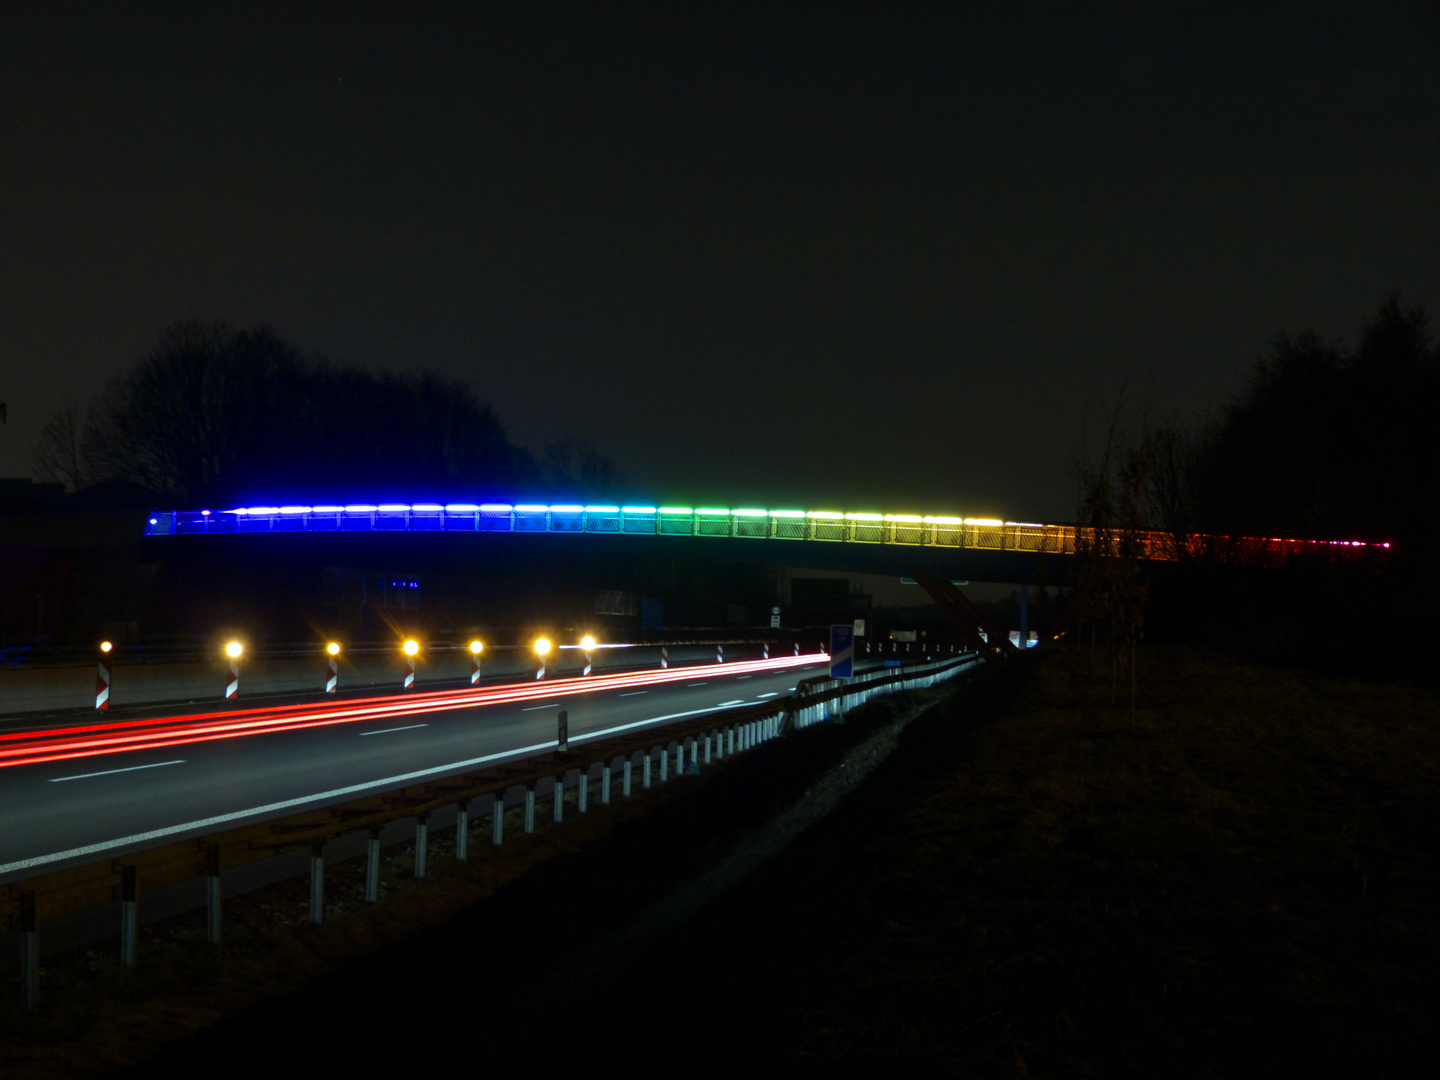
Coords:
989,641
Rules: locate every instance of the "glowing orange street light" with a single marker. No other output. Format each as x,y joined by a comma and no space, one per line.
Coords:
542,650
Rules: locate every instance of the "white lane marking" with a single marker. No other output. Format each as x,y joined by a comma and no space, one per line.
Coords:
723,704
693,684
739,677
388,730
773,693
112,772
635,693
537,708
354,789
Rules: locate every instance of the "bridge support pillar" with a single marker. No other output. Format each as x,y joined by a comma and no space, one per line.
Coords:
422,842
372,866
129,915
317,884
212,894
462,831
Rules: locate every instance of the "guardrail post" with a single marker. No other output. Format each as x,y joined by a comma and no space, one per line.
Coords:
462,831
129,916
605,784
583,790
29,953
707,748
372,866
317,884
695,752
625,788
664,763
422,838
645,774
730,740
212,894
558,814
497,820
529,809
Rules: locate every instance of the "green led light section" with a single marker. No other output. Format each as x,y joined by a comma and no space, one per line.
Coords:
712,511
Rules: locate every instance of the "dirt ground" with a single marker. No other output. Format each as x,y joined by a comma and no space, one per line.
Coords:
1244,884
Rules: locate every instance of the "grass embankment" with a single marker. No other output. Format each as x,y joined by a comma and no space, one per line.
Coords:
1245,884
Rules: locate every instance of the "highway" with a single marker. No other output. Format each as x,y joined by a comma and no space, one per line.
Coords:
64,797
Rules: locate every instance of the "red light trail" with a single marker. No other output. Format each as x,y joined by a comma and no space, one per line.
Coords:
93,740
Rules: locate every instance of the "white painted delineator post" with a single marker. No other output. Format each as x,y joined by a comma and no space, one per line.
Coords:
411,648
719,654
233,650
102,678
765,651
664,657
797,648
476,648
333,680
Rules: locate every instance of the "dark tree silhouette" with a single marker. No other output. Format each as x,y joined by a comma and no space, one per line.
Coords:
214,415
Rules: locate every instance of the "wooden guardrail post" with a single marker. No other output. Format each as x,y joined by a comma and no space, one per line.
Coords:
129,915
29,952
317,884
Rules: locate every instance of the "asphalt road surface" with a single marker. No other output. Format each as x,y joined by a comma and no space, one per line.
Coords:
63,811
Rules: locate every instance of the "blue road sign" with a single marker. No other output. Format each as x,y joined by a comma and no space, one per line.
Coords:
842,650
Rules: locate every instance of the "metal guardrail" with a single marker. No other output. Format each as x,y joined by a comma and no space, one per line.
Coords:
25,904
984,534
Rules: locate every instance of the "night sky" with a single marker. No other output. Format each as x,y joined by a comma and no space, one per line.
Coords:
897,258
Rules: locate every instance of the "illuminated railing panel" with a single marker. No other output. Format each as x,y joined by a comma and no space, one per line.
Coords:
983,534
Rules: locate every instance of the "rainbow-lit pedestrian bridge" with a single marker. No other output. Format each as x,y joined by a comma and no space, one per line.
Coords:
810,526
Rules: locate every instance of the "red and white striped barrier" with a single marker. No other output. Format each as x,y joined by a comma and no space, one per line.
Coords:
102,684
797,648
409,673
333,679
232,688
474,670
719,654
765,651
541,673
664,657
588,665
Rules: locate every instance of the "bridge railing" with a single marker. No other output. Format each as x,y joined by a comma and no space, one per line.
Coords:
984,534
